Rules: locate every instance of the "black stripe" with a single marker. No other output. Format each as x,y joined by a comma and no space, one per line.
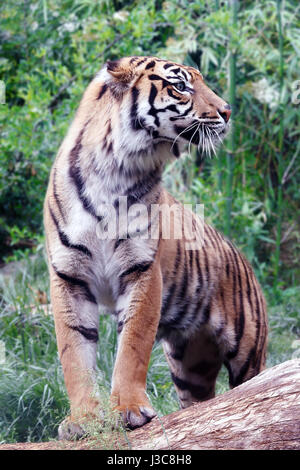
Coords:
65,240
232,353
138,190
56,197
184,280
206,266
208,234
77,282
75,174
262,334
137,269
152,95
167,66
155,77
176,97
206,314
175,118
238,379
90,334
204,298
220,243
198,391
199,272
172,107
102,91
135,124
177,258
215,237
150,65
240,316
258,320
198,304
141,61
191,264
184,74
175,150
227,264
260,349
168,299
248,284
182,300
175,70
110,148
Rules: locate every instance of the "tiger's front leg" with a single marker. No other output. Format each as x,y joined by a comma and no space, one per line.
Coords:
139,314
76,324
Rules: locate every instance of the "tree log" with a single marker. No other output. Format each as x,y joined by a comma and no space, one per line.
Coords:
263,413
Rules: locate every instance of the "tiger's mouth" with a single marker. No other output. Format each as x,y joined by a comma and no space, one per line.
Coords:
206,135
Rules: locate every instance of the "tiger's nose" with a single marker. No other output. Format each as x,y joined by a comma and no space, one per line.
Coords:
225,112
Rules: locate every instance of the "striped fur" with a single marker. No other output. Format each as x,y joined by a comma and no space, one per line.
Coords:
204,304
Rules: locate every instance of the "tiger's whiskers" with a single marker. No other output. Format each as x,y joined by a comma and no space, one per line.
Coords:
184,130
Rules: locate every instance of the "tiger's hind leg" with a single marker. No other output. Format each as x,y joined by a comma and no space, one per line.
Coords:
248,357
76,324
194,364
245,336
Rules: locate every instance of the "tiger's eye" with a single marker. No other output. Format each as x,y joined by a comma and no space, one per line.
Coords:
180,86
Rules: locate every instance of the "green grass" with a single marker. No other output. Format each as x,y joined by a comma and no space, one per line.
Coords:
33,398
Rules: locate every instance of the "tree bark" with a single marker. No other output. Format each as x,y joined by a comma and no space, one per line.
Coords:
263,413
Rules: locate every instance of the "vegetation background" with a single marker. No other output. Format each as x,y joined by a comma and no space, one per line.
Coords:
248,52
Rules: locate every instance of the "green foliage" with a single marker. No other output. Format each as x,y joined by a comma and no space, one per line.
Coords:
49,52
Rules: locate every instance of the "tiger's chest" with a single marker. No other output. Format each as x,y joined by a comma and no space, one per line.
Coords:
112,259
100,230
108,258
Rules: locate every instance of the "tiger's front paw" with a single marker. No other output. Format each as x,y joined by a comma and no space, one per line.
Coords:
135,409
74,428
70,430
135,416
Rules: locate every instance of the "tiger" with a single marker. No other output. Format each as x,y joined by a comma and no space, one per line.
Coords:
204,304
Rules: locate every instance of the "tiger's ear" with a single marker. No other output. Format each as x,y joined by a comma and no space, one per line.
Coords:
121,71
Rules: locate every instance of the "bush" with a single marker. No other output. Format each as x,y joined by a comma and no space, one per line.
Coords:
50,51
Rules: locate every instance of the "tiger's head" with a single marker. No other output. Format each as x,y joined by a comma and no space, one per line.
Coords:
157,102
